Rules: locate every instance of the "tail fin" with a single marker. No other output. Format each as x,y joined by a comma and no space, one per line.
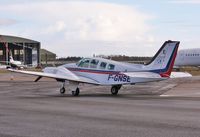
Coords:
163,61
11,59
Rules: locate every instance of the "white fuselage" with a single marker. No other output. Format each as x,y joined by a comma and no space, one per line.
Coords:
111,73
16,62
188,57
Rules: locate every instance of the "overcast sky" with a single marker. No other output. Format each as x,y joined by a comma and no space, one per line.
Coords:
87,27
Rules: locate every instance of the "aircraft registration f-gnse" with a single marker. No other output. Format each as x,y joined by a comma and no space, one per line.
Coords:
99,71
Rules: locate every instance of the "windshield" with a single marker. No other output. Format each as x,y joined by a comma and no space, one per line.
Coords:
84,63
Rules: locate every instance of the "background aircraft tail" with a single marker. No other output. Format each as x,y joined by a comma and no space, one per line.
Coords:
163,61
11,59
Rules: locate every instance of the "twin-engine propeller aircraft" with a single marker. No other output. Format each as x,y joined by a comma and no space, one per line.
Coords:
99,71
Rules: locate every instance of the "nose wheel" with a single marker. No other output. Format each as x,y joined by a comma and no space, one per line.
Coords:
62,90
76,92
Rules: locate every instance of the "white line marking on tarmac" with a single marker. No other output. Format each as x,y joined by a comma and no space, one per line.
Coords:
165,95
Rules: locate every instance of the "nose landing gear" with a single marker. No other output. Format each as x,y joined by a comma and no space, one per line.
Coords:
62,90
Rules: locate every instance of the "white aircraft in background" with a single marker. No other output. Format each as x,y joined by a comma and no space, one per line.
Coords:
99,71
188,57
13,63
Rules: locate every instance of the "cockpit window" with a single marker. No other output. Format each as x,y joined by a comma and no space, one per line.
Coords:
94,63
111,67
84,63
103,65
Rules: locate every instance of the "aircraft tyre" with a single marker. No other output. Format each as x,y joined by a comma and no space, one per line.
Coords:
114,90
76,92
62,90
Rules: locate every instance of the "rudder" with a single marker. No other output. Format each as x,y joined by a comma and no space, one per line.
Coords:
163,61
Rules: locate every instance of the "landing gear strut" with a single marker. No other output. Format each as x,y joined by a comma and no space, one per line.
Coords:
62,89
114,90
76,92
71,86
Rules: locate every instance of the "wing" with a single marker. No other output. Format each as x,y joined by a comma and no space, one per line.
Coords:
58,73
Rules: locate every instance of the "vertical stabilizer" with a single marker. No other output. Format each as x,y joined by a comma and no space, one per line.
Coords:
11,59
163,61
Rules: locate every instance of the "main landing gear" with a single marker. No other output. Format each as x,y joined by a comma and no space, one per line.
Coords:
74,92
114,89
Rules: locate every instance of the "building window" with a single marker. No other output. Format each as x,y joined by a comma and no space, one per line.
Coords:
1,52
21,51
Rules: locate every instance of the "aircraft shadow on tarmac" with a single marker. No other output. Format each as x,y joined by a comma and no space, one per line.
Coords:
107,96
93,95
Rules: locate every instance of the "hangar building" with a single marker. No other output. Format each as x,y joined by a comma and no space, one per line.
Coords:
47,55
21,49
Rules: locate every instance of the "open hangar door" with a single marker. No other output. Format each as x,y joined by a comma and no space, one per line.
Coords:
21,49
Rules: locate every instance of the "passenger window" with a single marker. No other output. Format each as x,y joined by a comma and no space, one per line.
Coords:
111,67
103,65
84,63
94,63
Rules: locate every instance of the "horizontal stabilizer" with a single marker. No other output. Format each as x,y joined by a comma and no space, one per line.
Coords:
180,74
